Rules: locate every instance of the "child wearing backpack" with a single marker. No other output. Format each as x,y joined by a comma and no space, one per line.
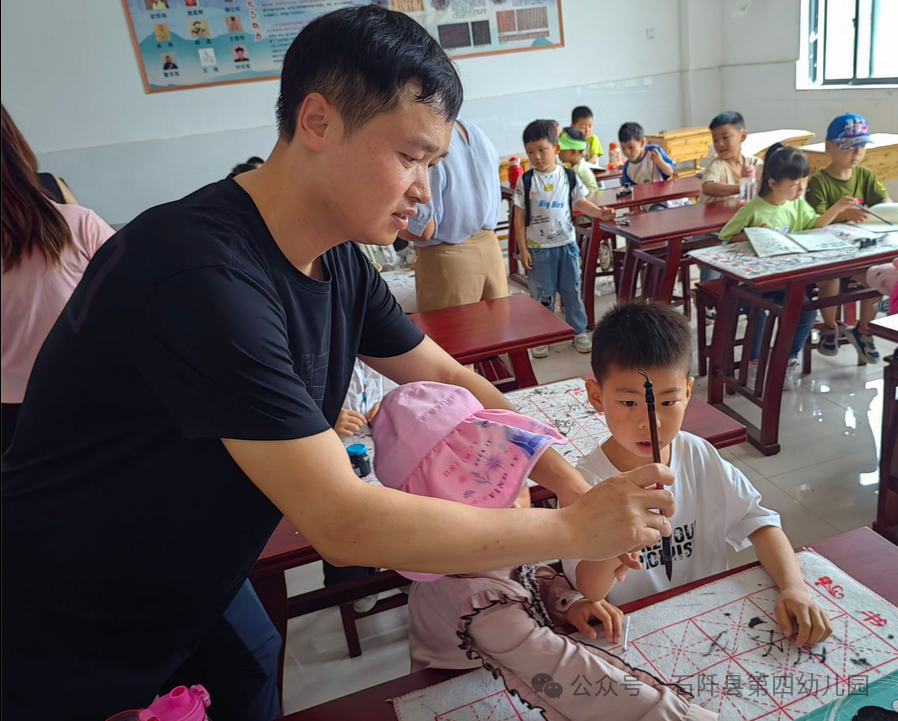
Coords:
545,199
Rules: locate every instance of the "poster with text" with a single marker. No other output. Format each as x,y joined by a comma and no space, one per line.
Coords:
191,43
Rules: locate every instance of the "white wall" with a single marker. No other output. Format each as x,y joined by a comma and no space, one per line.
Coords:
81,103
82,106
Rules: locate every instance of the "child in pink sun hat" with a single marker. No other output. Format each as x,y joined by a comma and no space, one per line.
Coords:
437,440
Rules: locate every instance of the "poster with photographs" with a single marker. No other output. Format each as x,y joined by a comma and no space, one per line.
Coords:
184,44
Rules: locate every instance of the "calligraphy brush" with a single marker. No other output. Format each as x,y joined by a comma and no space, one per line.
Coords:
878,217
666,554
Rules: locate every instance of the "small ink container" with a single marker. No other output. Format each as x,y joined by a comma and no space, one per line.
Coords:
358,456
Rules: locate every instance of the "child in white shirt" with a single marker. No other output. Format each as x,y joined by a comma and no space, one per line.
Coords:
545,199
715,502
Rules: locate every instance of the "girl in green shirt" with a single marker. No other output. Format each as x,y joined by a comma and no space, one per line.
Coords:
780,206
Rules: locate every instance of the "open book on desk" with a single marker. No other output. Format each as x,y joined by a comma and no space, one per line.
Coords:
768,243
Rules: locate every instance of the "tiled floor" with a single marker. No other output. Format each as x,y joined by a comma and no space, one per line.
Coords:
823,482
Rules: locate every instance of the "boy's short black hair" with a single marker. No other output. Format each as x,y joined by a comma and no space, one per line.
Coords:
242,168
541,130
641,335
581,112
630,131
361,58
575,134
255,160
728,117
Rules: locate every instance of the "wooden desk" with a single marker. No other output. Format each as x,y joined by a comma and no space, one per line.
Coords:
881,157
887,509
644,194
861,553
287,548
746,278
684,144
512,325
664,230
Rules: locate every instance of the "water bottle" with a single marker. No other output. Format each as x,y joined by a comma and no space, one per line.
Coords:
748,184
515,171
182,704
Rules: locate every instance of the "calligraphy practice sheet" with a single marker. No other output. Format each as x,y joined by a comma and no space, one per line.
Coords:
720,642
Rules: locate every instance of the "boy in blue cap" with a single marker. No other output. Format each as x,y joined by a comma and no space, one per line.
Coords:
847,138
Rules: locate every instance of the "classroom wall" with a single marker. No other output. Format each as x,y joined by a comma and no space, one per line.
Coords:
78,97
122,150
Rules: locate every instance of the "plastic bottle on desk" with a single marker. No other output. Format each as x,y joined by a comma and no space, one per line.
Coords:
615,159
748,184
182,704
515,171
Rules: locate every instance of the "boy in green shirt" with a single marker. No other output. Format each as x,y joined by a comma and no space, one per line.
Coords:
572,153
846,143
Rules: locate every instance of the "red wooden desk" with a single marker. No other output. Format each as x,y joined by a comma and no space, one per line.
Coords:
807,269
476,331
664,230
861,553
645,194
288,549
887,511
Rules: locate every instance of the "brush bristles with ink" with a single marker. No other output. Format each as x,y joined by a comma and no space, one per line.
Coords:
666,553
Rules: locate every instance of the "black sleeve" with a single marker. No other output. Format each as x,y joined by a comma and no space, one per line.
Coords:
386,331
212,343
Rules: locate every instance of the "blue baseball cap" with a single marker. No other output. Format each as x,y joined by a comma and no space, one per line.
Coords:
849,131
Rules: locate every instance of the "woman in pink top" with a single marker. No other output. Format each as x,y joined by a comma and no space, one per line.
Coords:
45,250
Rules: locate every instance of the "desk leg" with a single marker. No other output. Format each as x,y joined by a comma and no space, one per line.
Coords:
671,270
272,592
776,375
628,275
523,371
724,335
591,260
887,512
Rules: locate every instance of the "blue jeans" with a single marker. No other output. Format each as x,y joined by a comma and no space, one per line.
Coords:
237,662
557,271
802,331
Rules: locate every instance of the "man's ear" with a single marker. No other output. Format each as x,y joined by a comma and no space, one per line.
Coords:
594,392
315,117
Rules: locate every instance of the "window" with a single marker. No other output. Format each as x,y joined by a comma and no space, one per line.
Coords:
848,42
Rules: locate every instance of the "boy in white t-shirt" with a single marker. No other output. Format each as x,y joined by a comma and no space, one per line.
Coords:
545,199
646,163
715,503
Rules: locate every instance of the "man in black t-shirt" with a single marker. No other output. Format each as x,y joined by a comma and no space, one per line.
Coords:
185,399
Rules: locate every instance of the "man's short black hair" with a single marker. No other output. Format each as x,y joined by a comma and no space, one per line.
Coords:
641,335
575,134
361,59
630,131
255,160
541,130
728,117
581,112
242,168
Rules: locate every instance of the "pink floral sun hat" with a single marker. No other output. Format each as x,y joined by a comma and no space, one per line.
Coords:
437,440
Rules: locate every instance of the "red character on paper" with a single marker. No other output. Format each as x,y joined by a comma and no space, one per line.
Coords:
874,619
827,583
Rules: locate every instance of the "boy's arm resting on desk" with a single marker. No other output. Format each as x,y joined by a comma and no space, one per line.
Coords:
593,210
719,190
776,555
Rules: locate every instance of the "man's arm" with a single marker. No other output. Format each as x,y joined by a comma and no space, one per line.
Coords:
352,523
429,362
429,230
